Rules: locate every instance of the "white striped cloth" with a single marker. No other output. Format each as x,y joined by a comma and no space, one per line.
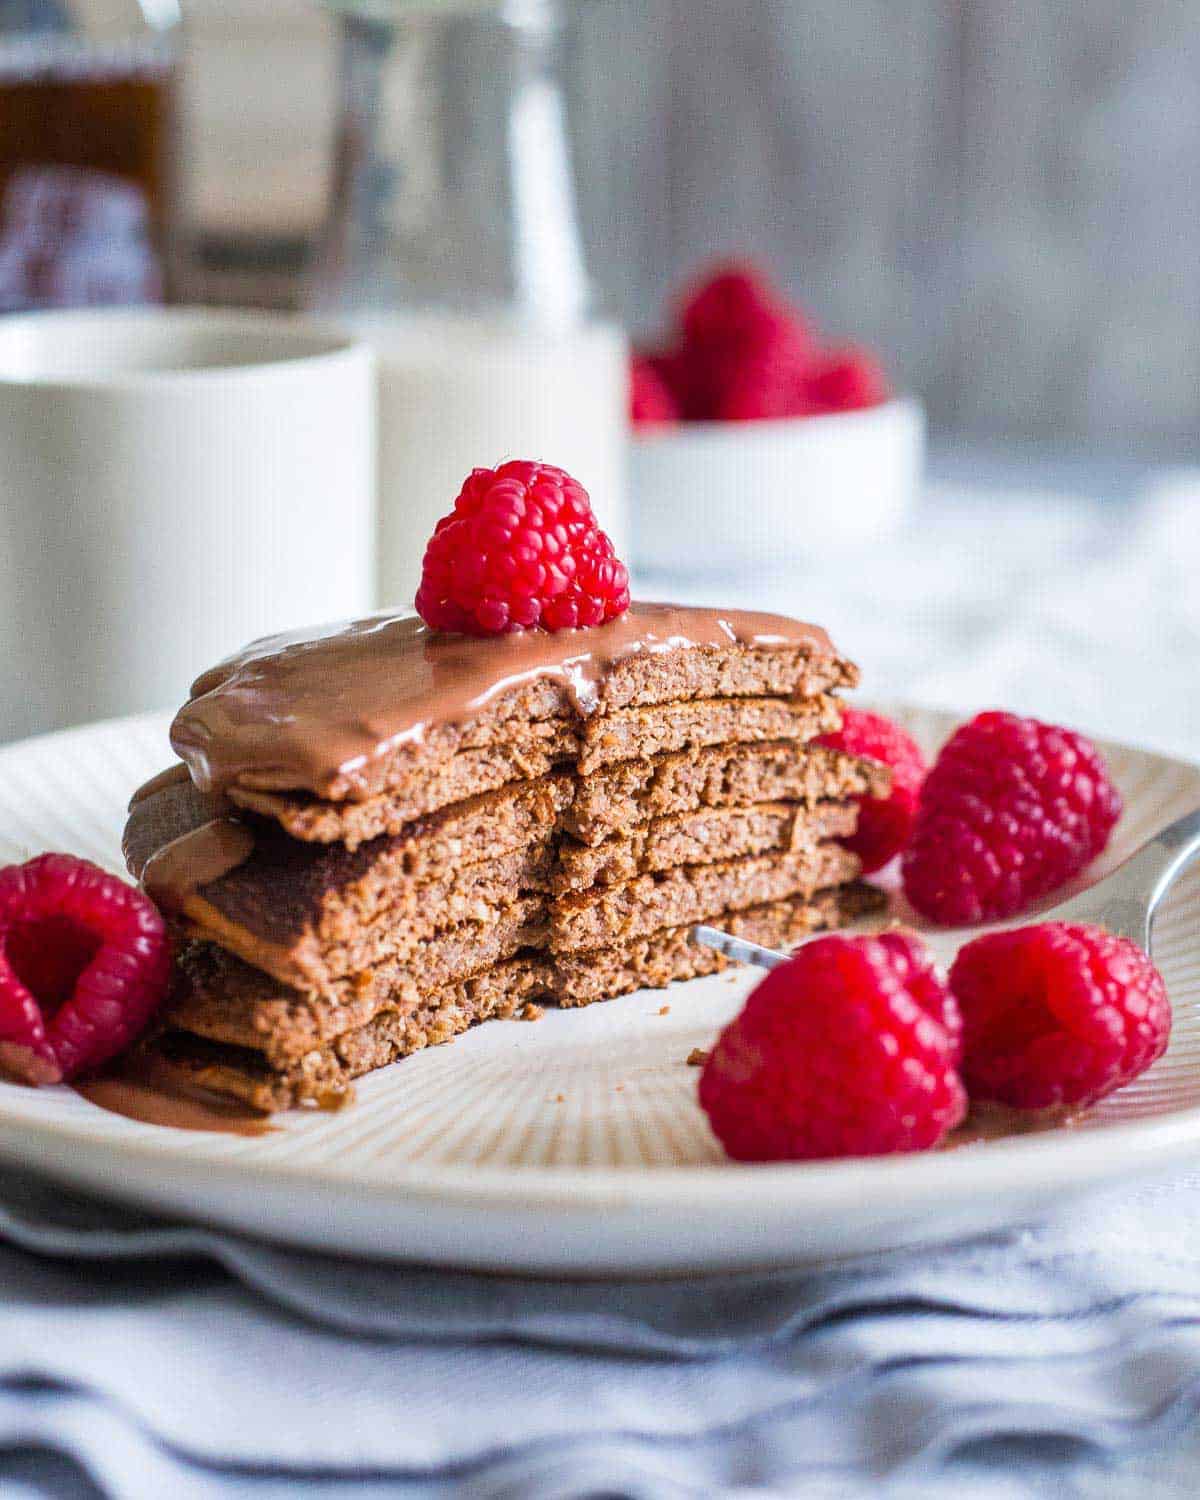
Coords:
127,1356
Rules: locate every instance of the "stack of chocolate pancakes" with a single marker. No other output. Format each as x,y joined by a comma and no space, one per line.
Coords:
380,835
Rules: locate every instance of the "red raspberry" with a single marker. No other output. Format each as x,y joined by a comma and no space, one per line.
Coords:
840,1052
746,349
765,382
651,403
917,972
735,304
1011,809
84,963
884,823
845,380
520,550
1058,1013
681,377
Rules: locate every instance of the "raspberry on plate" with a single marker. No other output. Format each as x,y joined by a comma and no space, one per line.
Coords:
84,963
884,823
914,967
651,403
843,1051
1011,810
1057,1014
521,550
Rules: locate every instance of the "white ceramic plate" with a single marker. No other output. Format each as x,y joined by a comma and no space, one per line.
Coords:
575,1145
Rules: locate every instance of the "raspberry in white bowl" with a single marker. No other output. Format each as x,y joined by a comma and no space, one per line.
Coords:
753,440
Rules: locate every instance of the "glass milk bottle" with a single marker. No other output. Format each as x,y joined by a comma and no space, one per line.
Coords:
452,242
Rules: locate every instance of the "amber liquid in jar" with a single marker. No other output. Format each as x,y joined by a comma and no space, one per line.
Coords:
87,172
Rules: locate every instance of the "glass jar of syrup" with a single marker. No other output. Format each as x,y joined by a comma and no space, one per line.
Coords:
87,152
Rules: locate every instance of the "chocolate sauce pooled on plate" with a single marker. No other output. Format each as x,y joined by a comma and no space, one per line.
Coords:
995,1122
148,1090
302,711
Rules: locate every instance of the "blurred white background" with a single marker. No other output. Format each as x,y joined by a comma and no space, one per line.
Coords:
998,198
996,195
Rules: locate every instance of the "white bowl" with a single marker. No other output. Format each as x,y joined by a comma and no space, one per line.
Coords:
708,496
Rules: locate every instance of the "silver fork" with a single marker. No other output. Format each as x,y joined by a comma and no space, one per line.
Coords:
1125,901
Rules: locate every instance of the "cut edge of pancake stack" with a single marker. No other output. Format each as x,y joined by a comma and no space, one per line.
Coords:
522,821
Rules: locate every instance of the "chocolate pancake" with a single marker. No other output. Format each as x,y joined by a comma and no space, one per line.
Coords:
533,749
320,1072
382,834
692,893
655,960
323,1074
311,914
619,797
701,837
217,995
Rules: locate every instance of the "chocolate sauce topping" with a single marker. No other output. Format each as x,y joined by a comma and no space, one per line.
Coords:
306,710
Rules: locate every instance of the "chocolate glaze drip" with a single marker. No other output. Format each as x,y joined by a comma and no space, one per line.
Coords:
306,710
175,844
172,776
194,860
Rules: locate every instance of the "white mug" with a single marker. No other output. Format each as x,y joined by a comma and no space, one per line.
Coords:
172,484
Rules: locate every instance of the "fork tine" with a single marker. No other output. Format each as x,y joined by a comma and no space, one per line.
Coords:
738,948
